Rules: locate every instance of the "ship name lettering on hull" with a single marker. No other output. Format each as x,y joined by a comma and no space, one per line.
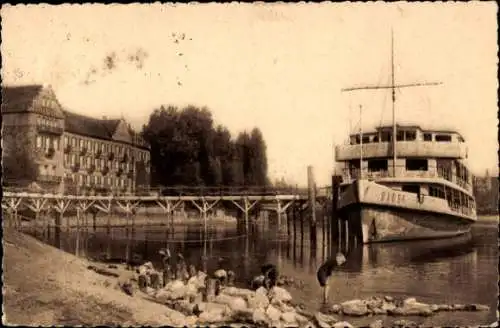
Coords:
391,197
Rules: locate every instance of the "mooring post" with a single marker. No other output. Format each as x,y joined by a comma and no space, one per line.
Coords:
334,234
57,232
109,232
247,206
278,211
288,222
77,246
127,225
311,186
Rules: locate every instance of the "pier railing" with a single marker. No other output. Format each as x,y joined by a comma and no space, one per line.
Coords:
178,191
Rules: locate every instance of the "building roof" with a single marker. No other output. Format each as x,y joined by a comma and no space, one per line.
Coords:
19,98
89,126
97,128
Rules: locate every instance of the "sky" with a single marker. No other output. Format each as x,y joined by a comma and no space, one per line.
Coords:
280,67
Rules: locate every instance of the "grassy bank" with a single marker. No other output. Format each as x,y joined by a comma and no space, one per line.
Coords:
46,286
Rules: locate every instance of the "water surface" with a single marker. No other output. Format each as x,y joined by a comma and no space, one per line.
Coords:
457,270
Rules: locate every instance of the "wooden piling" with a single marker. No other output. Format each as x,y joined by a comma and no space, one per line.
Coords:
335,232
127,249
109,233
311,186
77,239
57,233
288,222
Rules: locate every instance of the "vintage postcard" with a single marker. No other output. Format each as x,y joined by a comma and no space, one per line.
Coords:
250,164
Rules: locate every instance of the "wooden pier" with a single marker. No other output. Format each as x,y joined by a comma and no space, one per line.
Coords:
291,208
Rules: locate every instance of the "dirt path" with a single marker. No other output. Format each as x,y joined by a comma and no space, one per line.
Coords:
46,286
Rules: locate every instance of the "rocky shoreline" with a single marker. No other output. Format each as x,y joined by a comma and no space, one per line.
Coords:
273,307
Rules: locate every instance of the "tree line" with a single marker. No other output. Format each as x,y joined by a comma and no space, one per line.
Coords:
189,149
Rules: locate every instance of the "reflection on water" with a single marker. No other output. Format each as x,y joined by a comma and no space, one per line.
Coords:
456,270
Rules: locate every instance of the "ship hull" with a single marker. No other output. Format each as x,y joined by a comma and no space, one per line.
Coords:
380,218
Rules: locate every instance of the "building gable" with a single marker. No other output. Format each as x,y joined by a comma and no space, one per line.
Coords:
122,132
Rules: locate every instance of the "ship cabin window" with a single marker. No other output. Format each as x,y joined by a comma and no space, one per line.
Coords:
411,188
427,136
400,135
386,136
354,140
443,138
377,165
375,138
415,164
436,191
366,139
410,135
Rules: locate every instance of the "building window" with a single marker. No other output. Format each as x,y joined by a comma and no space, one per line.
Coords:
427,136
47,143
38,141
66,158
56,144
80,144
66,141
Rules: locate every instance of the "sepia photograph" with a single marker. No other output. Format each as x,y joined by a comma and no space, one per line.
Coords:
250,164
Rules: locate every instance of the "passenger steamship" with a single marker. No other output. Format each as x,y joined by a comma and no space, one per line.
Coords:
425,191
402,182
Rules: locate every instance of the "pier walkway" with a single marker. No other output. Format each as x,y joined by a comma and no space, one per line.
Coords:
204,199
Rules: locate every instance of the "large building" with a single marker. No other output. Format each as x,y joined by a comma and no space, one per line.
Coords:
68,152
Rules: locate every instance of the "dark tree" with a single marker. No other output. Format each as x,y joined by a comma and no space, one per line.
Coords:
186,149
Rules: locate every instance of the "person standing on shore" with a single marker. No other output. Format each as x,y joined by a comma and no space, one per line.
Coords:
166,268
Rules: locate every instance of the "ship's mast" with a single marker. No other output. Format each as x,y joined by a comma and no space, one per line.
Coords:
393,107
360,142
393,86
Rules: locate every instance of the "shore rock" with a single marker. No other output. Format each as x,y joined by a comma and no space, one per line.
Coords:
404,323
259,316
234,303
278,294
412,307
238,292
289,317
388,298
273,313
355,308
258,301
476,307
336,308
342,324
324,320
376,324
